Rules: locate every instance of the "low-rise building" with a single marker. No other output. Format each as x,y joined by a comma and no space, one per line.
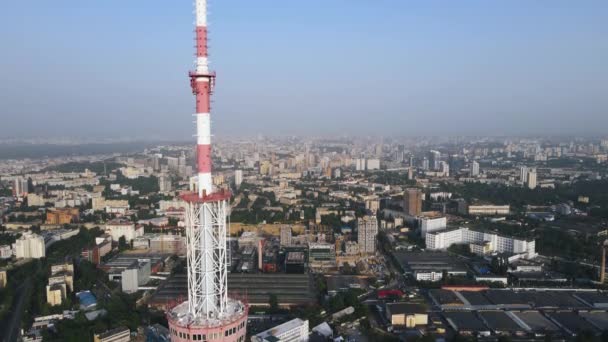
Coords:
408,315
295,330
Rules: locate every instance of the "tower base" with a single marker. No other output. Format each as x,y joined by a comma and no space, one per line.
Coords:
231,327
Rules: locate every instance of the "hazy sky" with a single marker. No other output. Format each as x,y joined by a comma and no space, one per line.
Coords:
108,68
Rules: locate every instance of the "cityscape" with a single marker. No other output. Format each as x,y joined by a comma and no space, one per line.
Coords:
272,236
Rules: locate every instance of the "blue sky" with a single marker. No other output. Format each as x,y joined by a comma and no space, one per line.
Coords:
385,67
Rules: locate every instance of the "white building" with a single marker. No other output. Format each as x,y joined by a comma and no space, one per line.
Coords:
367,230
6,252
238,178
481,242
116,229
432,224
373,164
135,275
295,330
360,164
474,169
30,245
532,179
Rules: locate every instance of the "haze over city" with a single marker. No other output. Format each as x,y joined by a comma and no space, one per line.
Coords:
116,69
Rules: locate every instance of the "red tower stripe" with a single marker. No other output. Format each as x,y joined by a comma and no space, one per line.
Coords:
204,158
202,97
201,41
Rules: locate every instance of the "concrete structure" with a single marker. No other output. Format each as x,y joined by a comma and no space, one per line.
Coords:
295,330
367,230
30,245
208,314
412,201
489,242
488,209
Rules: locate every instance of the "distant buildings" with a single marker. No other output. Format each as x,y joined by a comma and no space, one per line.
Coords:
412,201
137,274
367,230
295,330
30,245
3,279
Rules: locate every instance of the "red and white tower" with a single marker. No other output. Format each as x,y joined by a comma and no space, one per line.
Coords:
208,314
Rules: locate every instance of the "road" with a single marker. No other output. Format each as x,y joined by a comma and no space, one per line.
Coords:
13,323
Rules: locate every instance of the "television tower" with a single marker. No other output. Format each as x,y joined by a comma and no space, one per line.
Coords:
208,314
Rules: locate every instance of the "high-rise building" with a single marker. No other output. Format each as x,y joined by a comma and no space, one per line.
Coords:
523,174
532,179
474,169
238,178
367,230
20,187
434,157
30,245
412,201
286,236
424,164
444,167
164,183
360,164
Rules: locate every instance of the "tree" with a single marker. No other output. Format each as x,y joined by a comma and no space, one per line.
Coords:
273,301
122,243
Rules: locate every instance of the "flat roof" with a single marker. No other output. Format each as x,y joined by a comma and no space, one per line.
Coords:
598,318
536,321
464,320
572,322
445,297
476,298
500,321
282,328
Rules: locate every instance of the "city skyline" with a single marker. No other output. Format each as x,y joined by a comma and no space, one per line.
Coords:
414,69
